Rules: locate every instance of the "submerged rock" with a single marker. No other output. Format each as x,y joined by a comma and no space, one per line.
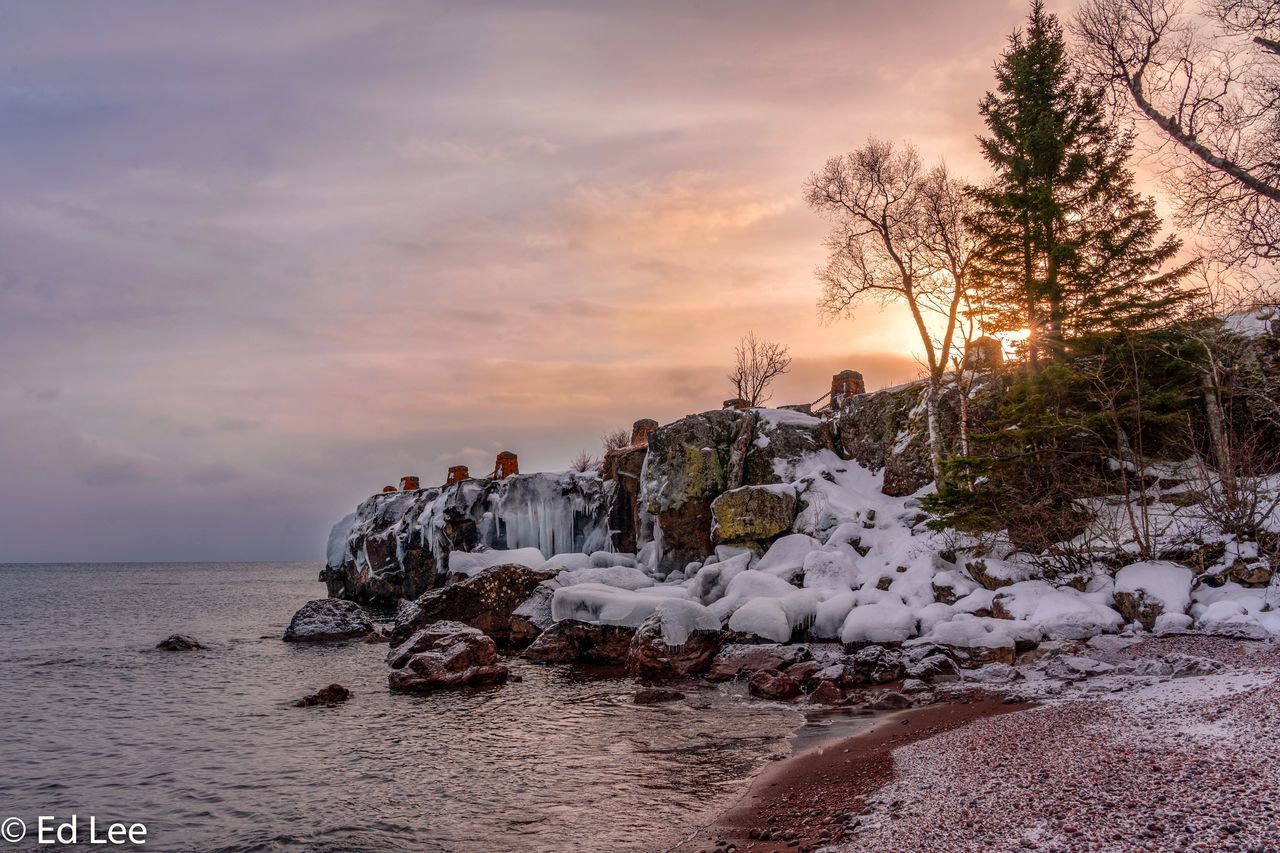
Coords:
485,601
446,655
655,695
331,695
571,641
179,643
328,619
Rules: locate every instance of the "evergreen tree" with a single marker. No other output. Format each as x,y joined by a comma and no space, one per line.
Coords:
1072,248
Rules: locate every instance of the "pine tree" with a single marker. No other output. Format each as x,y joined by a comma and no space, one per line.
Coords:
1072,247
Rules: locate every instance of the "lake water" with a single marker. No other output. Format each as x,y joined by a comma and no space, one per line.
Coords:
207,751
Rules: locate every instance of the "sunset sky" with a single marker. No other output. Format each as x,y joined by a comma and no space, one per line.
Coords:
259,259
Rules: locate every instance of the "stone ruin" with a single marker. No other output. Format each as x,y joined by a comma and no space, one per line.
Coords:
845,384
457,473
640,431
737,403
386,489
983,352
506,465
408,483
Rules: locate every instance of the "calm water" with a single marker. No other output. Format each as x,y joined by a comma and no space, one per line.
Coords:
207,751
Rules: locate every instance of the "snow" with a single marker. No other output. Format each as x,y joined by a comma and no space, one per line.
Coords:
787,417
786,556
607,605
762,616
1162,581
336,551
1061,614
681,618
474,562
835,569
978,632
1251,324
886,622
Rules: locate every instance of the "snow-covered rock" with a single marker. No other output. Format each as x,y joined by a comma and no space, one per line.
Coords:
1144,592
325,619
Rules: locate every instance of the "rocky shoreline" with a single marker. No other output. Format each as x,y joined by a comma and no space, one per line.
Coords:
788,550
1129,754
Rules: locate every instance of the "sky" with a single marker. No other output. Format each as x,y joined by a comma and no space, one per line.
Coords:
258,260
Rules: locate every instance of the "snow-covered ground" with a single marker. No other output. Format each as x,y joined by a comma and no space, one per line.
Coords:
1162,744
862,567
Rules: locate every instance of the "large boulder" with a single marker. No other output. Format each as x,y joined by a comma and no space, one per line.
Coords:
328,619
485,601
693,460
739,659
571,641
448,654
653,655
378,554
753,513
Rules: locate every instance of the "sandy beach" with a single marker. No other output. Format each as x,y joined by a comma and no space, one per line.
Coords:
1116,761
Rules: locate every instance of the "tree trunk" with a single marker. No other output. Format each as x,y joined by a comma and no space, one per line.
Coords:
932,397
1218,430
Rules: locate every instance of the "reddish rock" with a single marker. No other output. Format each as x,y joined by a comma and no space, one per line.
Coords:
650,657
826,693
485,601
772,684
570,641
736,660
331,695
847,383
447,654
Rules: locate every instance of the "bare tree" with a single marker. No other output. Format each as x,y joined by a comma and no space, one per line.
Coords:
615,440
898,235
583,462
757,363
1210,84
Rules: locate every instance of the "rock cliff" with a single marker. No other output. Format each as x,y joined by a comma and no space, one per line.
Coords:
398,544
